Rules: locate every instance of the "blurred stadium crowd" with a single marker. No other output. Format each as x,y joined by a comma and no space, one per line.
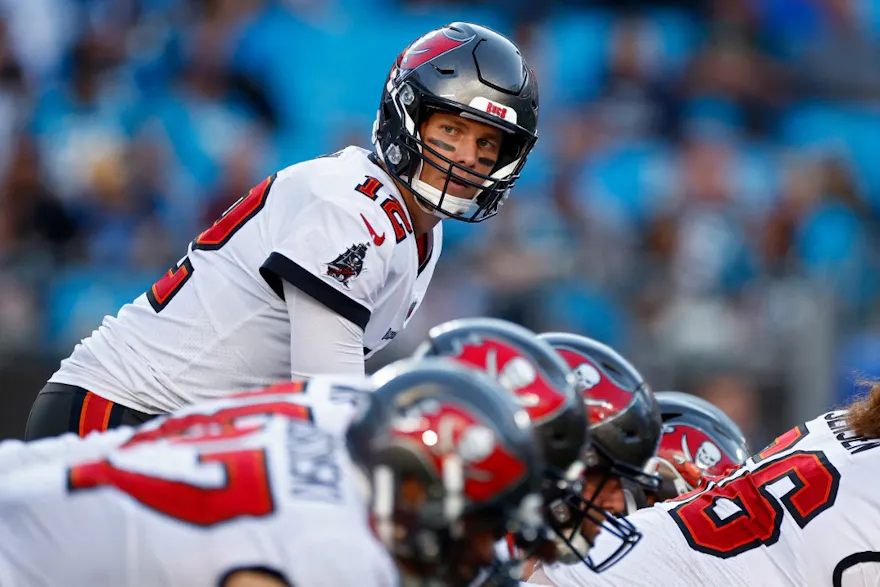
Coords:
703,196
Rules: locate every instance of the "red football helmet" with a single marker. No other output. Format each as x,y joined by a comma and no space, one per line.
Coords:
698,440
445,450
624,417
544,385
624,425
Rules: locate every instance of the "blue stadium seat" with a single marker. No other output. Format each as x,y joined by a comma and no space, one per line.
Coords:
621,183
571,48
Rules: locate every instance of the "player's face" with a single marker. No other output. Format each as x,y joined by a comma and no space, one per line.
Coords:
605,492
475,549
474,552
469,143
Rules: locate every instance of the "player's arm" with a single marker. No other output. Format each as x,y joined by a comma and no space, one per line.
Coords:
321,341
330,272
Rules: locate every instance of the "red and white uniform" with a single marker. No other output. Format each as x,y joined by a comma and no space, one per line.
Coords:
262,481
313,269
803,512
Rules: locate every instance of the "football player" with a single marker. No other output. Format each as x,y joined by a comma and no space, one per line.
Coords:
802,512
582,493
324,262
413,475
625,428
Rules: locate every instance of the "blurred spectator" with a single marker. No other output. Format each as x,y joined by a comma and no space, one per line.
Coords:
13,98
731,73
40,32
818,228
84,120
633,104
737,397
33,216
701,240
840,62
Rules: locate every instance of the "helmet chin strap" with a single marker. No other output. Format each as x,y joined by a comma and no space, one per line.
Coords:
451,204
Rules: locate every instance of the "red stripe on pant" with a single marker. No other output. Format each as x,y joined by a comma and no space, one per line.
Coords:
95,414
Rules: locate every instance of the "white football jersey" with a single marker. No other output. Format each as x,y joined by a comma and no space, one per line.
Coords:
803,512
335,227
262,481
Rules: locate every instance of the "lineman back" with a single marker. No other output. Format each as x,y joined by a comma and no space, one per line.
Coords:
262,481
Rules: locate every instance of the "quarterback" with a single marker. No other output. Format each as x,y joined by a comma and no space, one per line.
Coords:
321,264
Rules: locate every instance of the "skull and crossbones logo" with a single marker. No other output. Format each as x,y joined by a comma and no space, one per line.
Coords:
586,377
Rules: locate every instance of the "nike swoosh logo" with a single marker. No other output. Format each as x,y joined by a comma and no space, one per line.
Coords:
377,240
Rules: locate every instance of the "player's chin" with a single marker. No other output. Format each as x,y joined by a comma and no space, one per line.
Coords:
459,189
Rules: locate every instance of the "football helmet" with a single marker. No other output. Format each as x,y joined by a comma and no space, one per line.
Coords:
472,71
543,384
625,426
624,416
698,440
446,451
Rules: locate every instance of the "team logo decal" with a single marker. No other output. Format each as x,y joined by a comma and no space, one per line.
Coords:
586,377
349,265
602,396
693,453
515,373
432,45
440,431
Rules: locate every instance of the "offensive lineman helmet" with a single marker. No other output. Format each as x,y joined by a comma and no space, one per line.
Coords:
624,416
472,71
449,455
526,367
543,384
624,426
698,439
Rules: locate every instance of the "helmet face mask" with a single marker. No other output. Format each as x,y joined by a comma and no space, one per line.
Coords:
450,464
473,72
578,520
625,428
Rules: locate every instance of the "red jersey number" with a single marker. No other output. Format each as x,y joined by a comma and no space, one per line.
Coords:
740,514
212,239
245,490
